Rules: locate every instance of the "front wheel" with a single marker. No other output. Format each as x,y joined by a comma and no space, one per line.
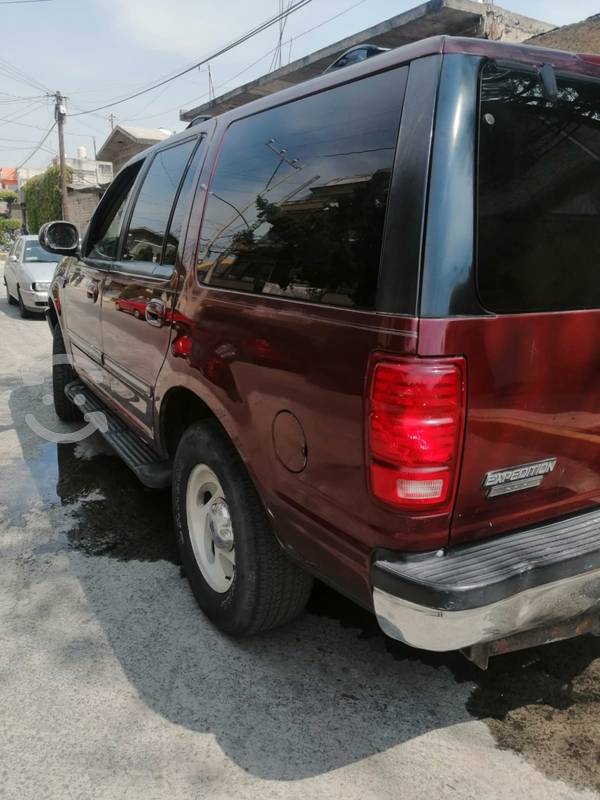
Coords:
237,570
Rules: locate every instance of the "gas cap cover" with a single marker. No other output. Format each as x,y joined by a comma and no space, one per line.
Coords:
289,441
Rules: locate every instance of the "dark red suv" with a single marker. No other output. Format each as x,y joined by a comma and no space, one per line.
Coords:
367,343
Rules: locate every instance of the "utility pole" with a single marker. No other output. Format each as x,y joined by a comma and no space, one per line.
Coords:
111,119
60,112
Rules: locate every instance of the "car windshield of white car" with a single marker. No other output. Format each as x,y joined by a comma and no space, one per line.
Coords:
33,252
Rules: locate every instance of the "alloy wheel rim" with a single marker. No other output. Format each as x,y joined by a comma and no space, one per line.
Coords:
210,528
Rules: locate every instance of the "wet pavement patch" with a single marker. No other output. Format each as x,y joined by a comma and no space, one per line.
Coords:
543,703
130,522
112,513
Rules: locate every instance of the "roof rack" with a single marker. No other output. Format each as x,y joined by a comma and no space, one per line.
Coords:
355,55
198,120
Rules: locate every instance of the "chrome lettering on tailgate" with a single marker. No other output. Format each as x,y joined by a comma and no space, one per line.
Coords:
515,479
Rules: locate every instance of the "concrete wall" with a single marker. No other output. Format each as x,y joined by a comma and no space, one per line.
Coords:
81,206
87,171
581,37
126,151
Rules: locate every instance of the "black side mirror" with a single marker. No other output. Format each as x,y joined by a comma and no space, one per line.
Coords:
60,237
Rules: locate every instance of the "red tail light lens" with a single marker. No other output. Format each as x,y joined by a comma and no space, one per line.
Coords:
414,431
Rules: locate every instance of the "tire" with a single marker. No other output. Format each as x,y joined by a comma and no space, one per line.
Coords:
11,300
62,374
266,589
22,309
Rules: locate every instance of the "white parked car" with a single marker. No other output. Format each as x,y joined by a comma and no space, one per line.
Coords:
27,275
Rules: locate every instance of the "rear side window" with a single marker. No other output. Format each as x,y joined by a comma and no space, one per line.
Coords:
539,193
298,200
180,212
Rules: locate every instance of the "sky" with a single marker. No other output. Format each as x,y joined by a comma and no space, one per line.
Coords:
96,51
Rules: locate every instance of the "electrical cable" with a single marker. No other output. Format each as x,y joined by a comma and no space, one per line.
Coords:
38,147
253,32
249,67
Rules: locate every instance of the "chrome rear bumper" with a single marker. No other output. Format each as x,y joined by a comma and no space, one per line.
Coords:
442,629
493,589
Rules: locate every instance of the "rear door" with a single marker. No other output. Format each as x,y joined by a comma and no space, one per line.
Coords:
140,289
532,441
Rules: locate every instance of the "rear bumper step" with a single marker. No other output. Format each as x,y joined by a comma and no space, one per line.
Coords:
150,469
493,589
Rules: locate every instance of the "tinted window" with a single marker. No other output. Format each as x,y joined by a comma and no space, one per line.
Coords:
153,205
179,218
105,228
539,194
298,200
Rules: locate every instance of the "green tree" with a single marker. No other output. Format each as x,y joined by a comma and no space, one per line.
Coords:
43,201
8,227
10,198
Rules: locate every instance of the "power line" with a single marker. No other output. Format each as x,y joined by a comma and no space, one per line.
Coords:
20,2
38,147
253,32
15,73
253,64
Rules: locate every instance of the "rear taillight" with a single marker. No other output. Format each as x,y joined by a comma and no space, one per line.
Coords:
414,431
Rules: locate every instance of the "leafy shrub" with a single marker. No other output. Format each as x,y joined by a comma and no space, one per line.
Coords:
8,227
43,201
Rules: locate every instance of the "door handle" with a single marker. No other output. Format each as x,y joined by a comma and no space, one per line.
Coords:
92,291
155,313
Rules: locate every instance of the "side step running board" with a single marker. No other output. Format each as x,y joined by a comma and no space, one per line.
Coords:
150,469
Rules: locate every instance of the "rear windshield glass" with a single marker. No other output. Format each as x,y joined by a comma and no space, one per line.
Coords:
34,252
539,193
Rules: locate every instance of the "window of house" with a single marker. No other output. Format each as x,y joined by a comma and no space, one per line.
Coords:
152,209
297,204
539,193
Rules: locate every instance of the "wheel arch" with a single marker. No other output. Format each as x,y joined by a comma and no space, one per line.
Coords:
52,314
179,408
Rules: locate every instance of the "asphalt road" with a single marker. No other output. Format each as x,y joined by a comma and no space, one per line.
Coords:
113,685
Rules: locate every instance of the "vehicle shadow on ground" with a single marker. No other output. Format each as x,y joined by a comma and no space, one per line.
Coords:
12,311
321,693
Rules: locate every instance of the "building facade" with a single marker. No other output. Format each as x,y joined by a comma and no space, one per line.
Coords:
124,142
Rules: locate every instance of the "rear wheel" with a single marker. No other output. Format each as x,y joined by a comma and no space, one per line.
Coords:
239,574
9,297
62,374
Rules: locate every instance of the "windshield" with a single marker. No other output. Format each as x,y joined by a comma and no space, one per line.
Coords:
34,252
539,193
